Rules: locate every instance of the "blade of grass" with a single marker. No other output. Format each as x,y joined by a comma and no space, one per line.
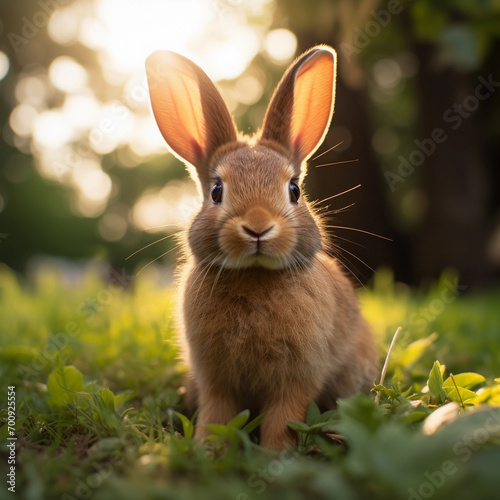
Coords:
386,364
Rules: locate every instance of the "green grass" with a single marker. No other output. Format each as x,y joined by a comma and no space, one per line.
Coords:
100,407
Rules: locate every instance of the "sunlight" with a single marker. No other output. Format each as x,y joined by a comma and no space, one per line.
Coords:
127,32
153,23
69,121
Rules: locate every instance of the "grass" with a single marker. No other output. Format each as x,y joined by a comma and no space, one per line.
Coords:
100,400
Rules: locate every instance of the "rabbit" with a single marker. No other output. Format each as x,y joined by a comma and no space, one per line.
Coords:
269,320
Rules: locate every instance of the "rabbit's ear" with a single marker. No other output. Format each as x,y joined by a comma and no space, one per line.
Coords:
189,110
301,108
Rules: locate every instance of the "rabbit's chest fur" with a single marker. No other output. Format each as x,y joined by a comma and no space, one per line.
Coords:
254,330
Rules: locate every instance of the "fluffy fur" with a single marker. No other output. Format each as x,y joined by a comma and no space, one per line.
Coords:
270,321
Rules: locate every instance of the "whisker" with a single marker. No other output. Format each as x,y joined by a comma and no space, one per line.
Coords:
205,265
356,257
162,225
340,194
212,261
150,244
154,260
350,271
336,163
327,151
340,210
337,237
360,231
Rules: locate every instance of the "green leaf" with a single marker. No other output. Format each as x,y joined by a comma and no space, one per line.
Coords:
253,424
416,416
415,350
62,385
243,437
436,383
240,420
389,393
299,427
219,429
213,437
329,416
466,380
107,399
462,395
362,411
187,426
122,398
91,387
319,426
490,395
313,413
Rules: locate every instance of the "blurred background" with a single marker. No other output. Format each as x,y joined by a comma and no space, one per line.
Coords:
85,174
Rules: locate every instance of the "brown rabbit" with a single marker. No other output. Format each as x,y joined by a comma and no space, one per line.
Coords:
270,321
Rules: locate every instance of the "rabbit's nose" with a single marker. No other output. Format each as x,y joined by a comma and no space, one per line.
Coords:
258,235
259,224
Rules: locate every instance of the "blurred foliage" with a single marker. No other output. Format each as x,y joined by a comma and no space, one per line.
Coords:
100,399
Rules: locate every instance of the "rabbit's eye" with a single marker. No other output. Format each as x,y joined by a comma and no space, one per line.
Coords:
217,192
294,192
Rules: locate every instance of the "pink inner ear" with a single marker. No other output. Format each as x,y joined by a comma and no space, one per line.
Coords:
196,148
313,103
297,142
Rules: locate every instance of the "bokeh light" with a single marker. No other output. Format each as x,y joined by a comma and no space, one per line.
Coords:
171,207
33,90
4,65
50,130
22,118
281,45
67,75
387,73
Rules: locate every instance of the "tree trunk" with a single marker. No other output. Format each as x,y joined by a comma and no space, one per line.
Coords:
455,180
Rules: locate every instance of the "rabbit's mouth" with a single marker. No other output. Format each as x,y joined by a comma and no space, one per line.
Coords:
246,243
257,259
256,253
